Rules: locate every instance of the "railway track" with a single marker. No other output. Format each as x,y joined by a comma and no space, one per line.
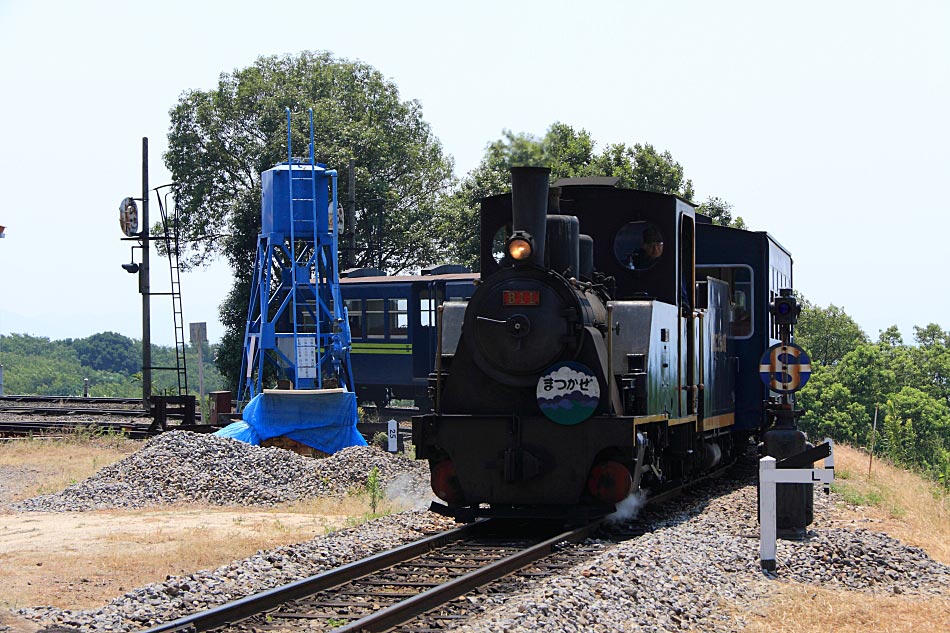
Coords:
46,415
390,589
71,405
413,587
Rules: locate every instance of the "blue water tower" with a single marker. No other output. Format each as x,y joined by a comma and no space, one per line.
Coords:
296,320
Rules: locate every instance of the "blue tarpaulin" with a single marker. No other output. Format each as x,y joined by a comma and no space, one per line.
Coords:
324,419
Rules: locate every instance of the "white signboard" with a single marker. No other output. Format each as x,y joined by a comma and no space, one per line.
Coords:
199,332
306,357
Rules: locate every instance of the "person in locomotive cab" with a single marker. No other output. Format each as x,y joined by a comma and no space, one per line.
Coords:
650,250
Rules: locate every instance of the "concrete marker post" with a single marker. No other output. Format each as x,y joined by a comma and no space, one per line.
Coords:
767,517
392,433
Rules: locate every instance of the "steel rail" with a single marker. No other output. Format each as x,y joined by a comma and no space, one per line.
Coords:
72,411
259,603
11,430
70,399
406,610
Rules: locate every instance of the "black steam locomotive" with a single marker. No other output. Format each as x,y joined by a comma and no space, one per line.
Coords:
609,346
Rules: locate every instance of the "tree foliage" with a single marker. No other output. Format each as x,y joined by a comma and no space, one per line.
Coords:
38,366
109,351
827,333
222,139
907,387
721,212
570,153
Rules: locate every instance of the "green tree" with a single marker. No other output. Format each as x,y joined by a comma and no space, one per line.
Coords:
38,366
916,429
222,139
831,409
721,213
570,153
891,337
929,369
931,335
909,385
827,334
109,351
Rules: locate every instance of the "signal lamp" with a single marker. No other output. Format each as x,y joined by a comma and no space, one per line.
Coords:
785,309
519,249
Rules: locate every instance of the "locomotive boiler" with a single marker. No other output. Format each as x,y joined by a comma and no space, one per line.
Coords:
589,362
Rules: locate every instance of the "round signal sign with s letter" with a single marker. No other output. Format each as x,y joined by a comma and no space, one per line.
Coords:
785,368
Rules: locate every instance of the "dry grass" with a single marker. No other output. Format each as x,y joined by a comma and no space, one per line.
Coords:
53,464
81,560
903,504
800,609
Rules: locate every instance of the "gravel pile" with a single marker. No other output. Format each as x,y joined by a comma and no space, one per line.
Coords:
865,560
181,595
180,466
696,567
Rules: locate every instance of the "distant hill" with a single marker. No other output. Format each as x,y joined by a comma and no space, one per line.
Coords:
34,365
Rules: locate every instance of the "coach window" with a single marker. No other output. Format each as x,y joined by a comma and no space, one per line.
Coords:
427,312
375,318
354,310
399,318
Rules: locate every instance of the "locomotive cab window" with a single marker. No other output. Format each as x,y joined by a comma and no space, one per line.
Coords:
499,242
739,279
638,245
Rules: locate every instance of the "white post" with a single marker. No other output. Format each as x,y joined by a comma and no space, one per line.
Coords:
769,475
767,514
393,431
830,463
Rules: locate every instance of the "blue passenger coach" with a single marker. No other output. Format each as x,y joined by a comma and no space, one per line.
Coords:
393,329
756,267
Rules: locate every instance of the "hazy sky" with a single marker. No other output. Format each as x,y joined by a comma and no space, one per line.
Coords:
825,123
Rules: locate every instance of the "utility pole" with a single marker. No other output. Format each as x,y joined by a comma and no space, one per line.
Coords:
145,287
199,336
2,234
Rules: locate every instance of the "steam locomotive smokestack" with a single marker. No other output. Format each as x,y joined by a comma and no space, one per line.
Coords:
529,205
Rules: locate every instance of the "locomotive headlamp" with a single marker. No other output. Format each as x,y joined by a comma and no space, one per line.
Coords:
519,249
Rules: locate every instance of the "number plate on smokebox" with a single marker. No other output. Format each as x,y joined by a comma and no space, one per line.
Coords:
521,297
